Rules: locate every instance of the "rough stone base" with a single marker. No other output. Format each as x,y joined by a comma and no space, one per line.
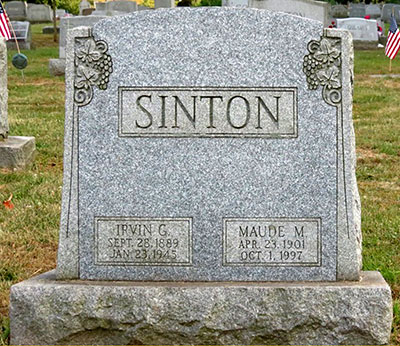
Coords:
46,311
17,152
57,67
365,45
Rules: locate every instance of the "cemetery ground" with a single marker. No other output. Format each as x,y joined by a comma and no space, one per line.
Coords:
29,230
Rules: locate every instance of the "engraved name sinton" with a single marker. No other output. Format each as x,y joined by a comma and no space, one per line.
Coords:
143,241
272,242
206,112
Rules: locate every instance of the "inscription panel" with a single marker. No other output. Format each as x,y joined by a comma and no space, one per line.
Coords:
207,112
140,241
272,242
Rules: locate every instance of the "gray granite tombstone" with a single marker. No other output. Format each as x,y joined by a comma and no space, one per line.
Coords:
84,4
60,13
164,3
317,10
339,11
387,11
373,10
16,152
121,7
200,159
38,13
23,34
16,10
363,31
235,3
357,10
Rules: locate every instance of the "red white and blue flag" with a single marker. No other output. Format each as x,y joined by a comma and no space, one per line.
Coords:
393,40
4,29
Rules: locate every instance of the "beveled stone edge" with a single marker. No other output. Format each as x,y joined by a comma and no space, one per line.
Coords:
68,246
349,259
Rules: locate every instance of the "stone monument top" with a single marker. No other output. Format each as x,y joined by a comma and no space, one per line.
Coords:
226,160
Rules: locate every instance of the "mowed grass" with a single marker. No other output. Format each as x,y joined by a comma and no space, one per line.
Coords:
29,232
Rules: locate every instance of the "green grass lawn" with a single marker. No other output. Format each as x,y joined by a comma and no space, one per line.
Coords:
29,232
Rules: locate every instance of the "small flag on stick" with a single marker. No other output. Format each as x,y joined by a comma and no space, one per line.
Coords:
393,40
4,29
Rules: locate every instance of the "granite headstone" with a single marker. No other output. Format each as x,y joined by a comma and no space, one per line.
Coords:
387,11
84,4
317,10
217,125
357,10
39,13
373,10
164,4
339,11
16,10
23,34
235,3
196,151
361,29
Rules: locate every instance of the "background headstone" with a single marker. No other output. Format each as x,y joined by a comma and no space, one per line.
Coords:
235,3
373,10
3,90
84,4
120,7
361,29
387,12
60,13
23,33
87,11
49,30
357,10
16,10
164,4
317,10
339,11
38,13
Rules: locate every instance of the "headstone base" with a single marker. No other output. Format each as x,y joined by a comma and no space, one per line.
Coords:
23,45
365,45
57,67
17,152
46,311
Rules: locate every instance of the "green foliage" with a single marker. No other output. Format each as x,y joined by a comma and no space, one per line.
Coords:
210,3
71,6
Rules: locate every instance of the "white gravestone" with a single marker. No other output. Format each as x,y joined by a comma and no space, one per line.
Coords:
317,10
361,29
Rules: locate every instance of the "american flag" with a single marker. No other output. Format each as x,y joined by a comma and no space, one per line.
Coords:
393,40
4,29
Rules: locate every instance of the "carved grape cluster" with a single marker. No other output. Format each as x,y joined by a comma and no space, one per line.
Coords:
93,67
105,66
310,67
322,67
